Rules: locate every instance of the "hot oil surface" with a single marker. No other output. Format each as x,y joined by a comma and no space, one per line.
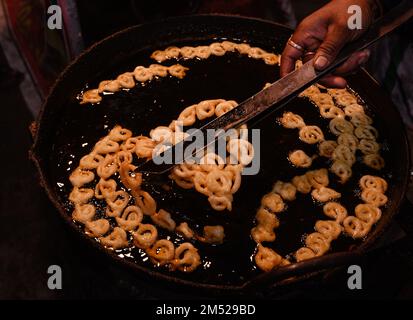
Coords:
231,77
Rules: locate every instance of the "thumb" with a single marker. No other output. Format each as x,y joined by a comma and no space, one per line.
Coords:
330,47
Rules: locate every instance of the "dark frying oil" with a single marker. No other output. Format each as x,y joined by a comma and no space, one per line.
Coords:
160,101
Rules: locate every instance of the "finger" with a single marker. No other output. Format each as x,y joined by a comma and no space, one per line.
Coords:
353,63
288,58
290,54
333,42
332,81
308,56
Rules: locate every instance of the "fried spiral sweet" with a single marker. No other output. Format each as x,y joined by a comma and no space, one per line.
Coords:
145,236
145,201
261,234
301,184
116,240
311,134
79,177
203,52
83,213
353,109
161,134
345,154
91,161
97,228
355,227
369,146
273,202
267,219
366,132
286,190
162,252
130,218
213,235
144,147
81,195
164,220
224,107
291,120
339,126
105,189
325,194
188,116
109,86
108,167
177,71
220,203
184,230
331,112
142,74
373,182
172,52
215,49
119,134
318,243
117,203
267,259
361,119
106,146
129,177
219,181
310,91
342,170
367,213
188,52
374,161
241,151
348,140
300,159
318,178
186,258
335,211
91,96
374,197
326,148
126,80
304,253
329,229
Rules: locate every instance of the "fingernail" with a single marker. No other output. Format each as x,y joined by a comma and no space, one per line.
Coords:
321,62
364,59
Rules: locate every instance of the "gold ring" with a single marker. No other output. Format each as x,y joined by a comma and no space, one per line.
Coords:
295,45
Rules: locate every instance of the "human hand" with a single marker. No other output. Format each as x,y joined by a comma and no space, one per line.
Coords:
323,34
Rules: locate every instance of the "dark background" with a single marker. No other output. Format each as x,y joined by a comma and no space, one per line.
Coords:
33,237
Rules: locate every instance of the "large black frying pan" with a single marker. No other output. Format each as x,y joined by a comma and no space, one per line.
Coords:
64,127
